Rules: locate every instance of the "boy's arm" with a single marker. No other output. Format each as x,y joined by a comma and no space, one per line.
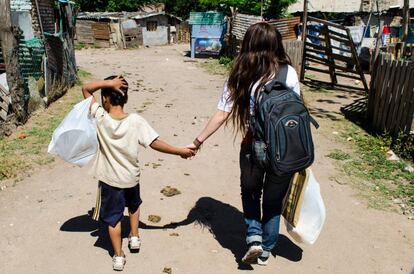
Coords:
163,147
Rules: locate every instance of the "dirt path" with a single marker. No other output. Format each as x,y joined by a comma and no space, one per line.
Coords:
44,222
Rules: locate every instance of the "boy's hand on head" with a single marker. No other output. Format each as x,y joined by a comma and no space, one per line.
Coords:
118,84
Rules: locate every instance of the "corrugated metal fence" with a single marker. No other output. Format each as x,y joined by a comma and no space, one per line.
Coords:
286,26
391,99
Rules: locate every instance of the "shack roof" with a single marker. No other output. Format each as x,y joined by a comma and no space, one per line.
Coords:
121,15
206,18
348,6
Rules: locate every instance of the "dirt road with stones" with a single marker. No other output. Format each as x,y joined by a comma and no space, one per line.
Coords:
44,222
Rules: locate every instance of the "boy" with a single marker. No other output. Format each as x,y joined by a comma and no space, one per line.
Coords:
116,165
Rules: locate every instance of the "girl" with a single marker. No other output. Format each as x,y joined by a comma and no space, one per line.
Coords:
261,59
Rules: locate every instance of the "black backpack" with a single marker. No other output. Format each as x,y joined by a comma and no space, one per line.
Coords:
280,123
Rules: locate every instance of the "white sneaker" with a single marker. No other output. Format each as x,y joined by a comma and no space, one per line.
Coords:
252,254
134,243
118,263
262,260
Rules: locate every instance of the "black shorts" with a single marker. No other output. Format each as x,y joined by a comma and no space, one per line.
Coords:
111,202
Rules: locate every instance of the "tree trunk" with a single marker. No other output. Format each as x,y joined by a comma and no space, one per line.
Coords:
9,36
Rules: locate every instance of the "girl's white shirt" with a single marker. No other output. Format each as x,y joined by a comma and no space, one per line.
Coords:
226,104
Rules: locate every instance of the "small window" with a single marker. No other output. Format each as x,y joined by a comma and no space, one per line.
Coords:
152,25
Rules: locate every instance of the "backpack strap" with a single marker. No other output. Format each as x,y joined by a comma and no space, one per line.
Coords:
280,79
313,121
283,73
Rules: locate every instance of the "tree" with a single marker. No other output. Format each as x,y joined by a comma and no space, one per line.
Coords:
112,5
272,9
182,8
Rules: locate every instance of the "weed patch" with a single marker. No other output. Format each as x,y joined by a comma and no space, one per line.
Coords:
27,148
369,164
339,155
214,66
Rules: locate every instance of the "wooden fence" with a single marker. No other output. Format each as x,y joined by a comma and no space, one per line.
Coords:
391,99
294,49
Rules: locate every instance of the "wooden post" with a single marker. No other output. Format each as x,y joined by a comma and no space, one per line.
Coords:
231,48
406,20
377,44
9,42
304,30
328,52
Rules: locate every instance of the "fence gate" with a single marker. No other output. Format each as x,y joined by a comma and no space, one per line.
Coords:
332,47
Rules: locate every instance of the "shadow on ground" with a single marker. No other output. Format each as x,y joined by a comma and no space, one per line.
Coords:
85,223
224,221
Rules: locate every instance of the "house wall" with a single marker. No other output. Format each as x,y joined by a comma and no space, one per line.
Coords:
48,15
347,6
158,37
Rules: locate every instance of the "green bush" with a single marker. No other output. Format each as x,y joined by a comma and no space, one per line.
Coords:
226,61
403,145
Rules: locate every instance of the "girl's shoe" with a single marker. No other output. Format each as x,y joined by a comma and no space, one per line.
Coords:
134,243
255,250
118,262
262,260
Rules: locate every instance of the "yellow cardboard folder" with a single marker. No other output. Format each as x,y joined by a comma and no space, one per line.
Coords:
292,203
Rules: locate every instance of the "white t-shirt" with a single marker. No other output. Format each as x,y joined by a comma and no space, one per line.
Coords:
117,162
226,104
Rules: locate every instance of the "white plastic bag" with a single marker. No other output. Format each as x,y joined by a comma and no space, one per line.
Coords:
312,215
75,139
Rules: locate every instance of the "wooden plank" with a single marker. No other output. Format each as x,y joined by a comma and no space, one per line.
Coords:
329,54
410,112
316,37
398,93
388,95
341,35
342,49
348,76
317,69
310,59
372,90
347,42
405,116
316,57
317,51
343,58
328,23
380,89
409,92
321,47
358,65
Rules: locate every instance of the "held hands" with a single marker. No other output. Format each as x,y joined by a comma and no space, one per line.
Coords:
118,84
195,146
186,153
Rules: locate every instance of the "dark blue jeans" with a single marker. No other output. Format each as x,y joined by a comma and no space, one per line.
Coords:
255,182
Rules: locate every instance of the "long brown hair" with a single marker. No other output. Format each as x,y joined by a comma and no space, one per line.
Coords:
260,57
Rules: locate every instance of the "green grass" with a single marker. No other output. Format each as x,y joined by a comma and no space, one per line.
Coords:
27,147
82,74
339,155
214,66
374,173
